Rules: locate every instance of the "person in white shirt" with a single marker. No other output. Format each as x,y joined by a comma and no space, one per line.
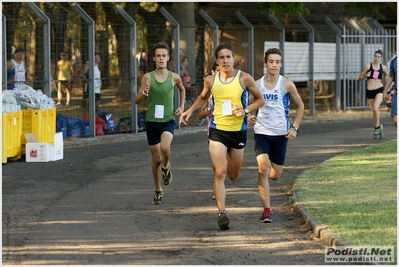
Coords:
84,76
16,71
272,128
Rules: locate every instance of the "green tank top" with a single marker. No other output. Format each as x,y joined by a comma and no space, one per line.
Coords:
161,100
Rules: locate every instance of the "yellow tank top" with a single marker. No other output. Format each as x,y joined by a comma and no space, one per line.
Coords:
225,98
64,73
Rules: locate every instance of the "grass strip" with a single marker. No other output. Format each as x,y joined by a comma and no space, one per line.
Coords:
354,195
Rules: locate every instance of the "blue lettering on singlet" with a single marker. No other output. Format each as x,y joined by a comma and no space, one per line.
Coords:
270,96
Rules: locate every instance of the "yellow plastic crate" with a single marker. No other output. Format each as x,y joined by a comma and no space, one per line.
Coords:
39,122
11,136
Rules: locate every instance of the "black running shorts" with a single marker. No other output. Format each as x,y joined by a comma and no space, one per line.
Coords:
370,94
236,140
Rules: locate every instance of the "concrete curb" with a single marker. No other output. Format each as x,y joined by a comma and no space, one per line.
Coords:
320,230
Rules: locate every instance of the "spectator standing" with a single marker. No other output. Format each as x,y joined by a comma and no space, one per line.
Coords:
230,89
16,71
171,62
158,86
374,73
392,95
84,76
65,74
272,127
185,77
142,59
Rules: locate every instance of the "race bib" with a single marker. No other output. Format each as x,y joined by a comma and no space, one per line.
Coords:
64,74
159,111
376,73
226,107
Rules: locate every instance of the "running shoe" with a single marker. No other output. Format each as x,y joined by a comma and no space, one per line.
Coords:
223,220
267,216
378,132
166,175
157,197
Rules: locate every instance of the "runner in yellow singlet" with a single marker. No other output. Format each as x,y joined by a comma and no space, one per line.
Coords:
230,89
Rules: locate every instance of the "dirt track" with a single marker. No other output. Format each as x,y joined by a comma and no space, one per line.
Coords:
94,206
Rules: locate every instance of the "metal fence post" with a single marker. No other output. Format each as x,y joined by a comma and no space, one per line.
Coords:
337,63
282,38
46,47
91,47
250,41
311,63
4,53
213,25
133,63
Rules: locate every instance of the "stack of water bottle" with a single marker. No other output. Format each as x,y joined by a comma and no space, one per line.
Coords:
9,102
25,97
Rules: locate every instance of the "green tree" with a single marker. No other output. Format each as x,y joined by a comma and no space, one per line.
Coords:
284,11
369,9
288,10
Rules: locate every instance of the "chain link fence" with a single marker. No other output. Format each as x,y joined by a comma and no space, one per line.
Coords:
312,46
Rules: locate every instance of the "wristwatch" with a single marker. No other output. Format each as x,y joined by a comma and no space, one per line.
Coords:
295,128
246,111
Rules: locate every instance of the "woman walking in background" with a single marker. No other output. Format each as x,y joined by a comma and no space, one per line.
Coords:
373,72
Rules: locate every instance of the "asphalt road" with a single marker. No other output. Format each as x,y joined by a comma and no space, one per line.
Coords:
94,206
